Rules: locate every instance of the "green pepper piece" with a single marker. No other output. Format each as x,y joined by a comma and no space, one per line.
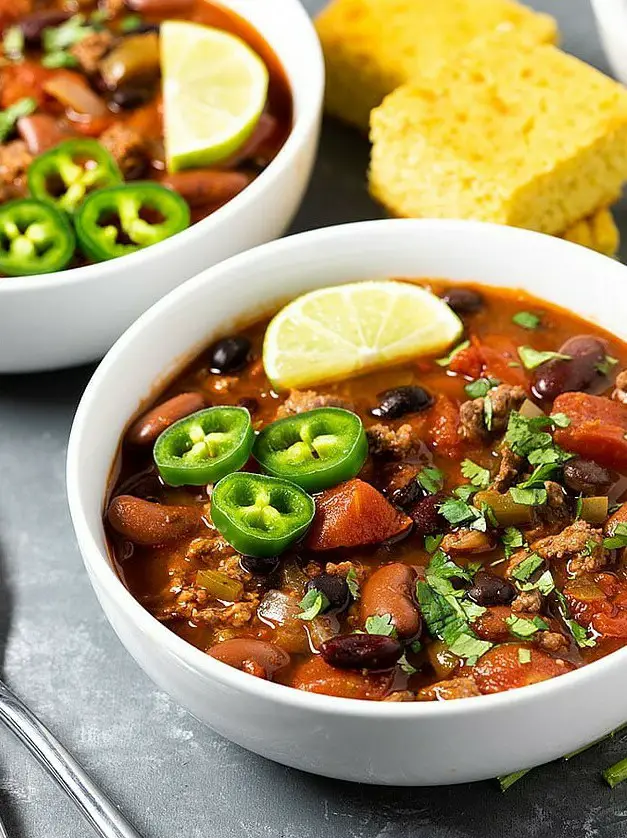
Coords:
205,446
260,516
316,449
35,238
66,174
122,219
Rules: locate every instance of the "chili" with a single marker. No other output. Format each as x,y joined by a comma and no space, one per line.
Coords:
315,450
204,447
35,238
70,171
260,516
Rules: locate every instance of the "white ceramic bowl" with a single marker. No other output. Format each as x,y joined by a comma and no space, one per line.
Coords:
372,742
74,316
611,16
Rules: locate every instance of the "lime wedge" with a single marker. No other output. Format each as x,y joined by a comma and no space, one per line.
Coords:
214,90
345,330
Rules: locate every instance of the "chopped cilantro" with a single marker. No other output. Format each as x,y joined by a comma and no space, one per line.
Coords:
431,479
353,583
444,362
446,619
541,473
528,497
488,412
578,632
480,387
473,567
545,584
560,420
312,604
527,567
525,435
467,646
130,23
54,60
405,665
532,358
524,655
9,116
578,508
457,511
13,43
381,625
548,456
472,610
440,565
526,320
432,542
477,475
618,538
512,539
522,627
604,367
416,646
465,492
60,38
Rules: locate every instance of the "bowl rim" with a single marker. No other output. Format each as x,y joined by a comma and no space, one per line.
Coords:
98,564
307,101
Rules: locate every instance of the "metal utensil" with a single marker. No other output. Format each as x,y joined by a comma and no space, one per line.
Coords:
96,807
3,832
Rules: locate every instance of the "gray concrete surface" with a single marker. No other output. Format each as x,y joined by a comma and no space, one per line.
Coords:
173,777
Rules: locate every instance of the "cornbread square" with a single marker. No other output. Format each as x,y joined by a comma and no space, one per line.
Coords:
371,47
524,135
598,232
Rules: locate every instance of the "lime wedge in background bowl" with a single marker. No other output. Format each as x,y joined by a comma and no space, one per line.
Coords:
214,90
338,332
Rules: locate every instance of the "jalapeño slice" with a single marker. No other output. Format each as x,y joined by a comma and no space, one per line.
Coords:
316,449
70,171
258,515
35,238
205,446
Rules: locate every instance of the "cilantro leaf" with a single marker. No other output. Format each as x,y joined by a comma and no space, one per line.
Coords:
526,320
353,583
512,539
130,23
59,38
444,362
488,412
442,618
532,358
477,475
444,567
457,511
416,646
13,42
431,479
432,542
545,584
618,538
480,387
524,655
468,646
560,420
472,610
521,626
578,632
312,604
9,116
527,567
405,665
465,492
528,497
541,473
381,625
605,366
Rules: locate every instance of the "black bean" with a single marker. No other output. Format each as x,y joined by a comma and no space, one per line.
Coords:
361,651
489,589
33,25
426,517
401,400
586,477
463,300
558,376
229,355
335,589
409,494
261,566
128,98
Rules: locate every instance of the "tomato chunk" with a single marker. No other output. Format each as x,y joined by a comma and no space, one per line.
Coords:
500,669
467,362
444,427
353,514
317,676
597,428
501,361
599,602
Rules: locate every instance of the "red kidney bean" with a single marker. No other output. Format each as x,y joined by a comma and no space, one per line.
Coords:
40,131
148,427
390,590
201,188
152,524
361,651
463,300
258,657
558,376
33,25
262,143
585,477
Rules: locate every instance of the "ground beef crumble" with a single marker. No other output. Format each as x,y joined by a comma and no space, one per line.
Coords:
399,443
128,147
300,401
464,687
580,544
472,415
90,49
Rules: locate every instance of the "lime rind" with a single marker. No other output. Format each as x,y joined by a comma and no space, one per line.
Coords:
342,331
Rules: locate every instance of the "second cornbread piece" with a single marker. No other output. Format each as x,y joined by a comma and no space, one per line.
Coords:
373,46
522,135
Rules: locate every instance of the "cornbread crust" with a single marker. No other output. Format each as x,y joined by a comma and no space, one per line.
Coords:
598,232
372,47
512,133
